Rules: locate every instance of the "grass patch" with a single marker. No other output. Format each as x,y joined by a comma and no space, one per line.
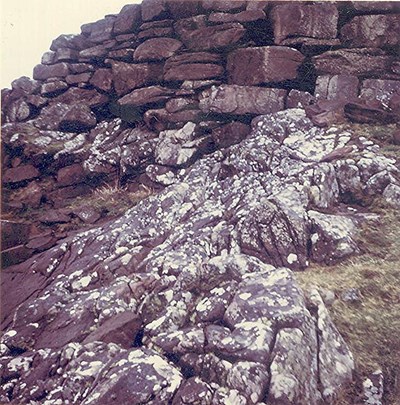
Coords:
371,327
113,200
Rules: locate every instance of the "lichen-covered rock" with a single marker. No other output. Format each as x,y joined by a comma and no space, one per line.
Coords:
198,274
371,31
238,100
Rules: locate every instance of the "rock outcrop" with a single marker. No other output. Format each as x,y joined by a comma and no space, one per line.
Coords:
226,110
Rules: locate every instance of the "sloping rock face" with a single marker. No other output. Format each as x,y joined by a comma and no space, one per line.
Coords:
190,297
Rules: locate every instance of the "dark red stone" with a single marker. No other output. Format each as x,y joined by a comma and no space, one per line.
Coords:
95,52
238,100
77,42
31,195
376,6
42,242
223,5
20,173
53,88
156,33
253,66
157,49
24,86
99,31
128,19
54,217
242,17
339,87
372,31
146,95
353,62
15,255
183,8
212,37
230,134
102,79
361,113
66,117
66,55
299,99
71,175
131,76
14,233
193,66
80,78
121,329
88,215
89,97
153,9
18,111
43,72
304,20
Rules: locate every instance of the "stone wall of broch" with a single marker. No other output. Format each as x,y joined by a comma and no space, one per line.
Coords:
228,112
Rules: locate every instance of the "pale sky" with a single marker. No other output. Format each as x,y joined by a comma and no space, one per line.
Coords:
29,26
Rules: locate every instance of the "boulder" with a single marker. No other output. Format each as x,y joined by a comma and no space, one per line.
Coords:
363,61
239,100
304,20
20,173
43,72
128,19
371,31
131,76
299,99
193,66
157,49
253,66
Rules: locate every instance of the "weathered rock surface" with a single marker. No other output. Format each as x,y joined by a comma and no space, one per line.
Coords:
215,246
304,20
253,66
238,100
157,49
371,31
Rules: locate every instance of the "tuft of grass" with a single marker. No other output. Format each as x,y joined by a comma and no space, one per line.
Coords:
371,327
112,199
